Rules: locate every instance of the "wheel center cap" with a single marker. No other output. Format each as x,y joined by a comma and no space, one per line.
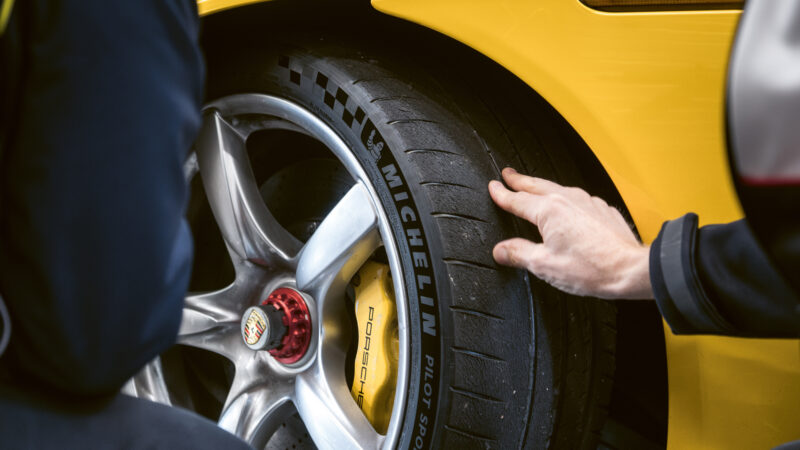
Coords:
254,326
281,324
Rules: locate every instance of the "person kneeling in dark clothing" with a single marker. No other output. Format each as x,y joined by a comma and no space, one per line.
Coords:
101,105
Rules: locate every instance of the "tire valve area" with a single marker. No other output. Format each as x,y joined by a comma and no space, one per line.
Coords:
375,374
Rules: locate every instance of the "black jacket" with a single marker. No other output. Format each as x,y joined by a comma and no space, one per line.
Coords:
718,280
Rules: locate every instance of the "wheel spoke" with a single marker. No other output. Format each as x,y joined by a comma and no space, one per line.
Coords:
330,414
248,227
341,244
149,384
211,322
257,403
204,312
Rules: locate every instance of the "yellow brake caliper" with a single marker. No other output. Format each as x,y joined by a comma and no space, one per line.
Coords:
375,375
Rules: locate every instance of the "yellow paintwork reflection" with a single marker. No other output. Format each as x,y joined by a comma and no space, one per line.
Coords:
646,92
375,374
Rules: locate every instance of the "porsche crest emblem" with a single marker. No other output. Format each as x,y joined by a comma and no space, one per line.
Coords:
255,326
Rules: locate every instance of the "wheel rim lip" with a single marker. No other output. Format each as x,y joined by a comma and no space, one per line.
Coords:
308,123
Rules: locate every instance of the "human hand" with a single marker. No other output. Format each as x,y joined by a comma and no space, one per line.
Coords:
588,249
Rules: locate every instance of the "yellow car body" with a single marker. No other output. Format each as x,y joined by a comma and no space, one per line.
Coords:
645,90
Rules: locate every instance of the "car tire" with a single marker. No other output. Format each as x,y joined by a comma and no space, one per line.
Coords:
497,359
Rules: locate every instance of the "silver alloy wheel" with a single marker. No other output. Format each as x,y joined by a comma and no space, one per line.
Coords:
265,257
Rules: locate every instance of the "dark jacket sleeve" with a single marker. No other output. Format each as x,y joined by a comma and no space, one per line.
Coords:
717,280
96,255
